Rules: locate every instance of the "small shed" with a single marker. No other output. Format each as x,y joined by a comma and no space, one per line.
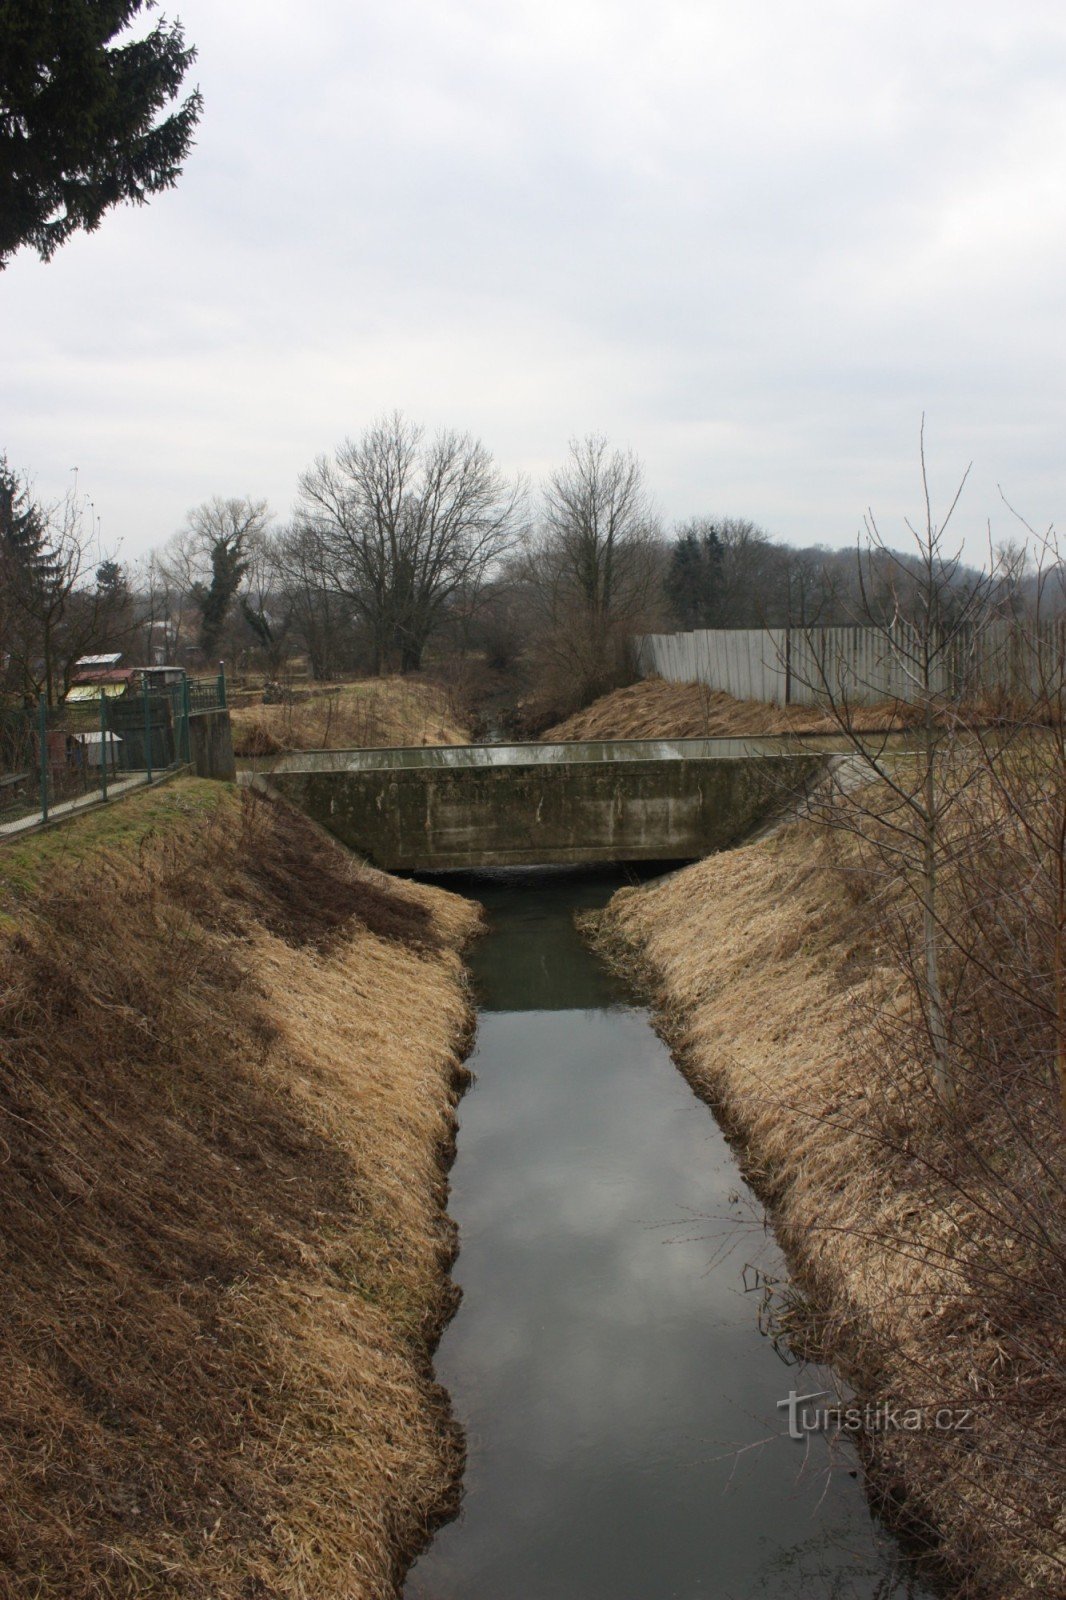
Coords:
100,675
162,677
97,747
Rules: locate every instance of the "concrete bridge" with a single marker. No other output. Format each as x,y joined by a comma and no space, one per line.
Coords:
469,806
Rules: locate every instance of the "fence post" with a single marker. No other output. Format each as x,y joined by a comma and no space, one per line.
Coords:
103,745
42,740
222,685
147,731
186,708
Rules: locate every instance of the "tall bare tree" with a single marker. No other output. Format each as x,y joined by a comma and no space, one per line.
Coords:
224,532
928,638
594,564
321,617
267,608
404,525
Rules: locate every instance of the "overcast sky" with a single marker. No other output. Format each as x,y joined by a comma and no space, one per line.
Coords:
752,243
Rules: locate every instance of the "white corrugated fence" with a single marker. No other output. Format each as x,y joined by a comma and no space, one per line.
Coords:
796,665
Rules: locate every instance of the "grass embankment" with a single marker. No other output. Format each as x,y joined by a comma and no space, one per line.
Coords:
368,715
230,1056
655,709
932,1264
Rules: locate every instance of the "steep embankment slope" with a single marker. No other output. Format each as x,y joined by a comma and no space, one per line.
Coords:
229,1060
770,990
655,709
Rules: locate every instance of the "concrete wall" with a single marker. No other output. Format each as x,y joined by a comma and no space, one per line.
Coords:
515,814
211,745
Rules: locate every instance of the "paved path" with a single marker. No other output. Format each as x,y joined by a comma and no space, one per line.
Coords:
33,819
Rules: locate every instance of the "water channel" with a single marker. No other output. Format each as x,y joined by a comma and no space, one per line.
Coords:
620,1404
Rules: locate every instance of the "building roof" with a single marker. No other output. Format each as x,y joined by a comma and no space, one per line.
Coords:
104,674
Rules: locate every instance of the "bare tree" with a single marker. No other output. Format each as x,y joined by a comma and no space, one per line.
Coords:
157,609
60,598
404,524
321,617
1012,855
224,531
594,566
175,570
927,640
267,608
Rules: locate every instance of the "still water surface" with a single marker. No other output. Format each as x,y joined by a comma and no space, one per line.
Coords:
619,1402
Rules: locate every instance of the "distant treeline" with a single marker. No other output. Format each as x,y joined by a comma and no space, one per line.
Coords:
408,551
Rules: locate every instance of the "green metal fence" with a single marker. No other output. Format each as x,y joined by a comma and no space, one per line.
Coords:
54,759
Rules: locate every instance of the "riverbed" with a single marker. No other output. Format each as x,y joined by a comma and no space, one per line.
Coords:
622,1410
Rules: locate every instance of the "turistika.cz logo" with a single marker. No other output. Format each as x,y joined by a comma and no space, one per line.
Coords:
805,1418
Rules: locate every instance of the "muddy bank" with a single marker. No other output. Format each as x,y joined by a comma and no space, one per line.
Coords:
230,1058
765,981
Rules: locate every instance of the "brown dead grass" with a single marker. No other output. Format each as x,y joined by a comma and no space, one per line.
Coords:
766,978
367,715
655,709
229,1061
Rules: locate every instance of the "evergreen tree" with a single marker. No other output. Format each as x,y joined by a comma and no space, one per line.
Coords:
29,562
78,128
112,582
693,577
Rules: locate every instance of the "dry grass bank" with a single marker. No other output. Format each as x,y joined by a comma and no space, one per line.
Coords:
229,1062
655,709
769,984
370,714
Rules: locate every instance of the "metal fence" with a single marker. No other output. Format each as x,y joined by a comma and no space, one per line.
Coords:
55,759
794,666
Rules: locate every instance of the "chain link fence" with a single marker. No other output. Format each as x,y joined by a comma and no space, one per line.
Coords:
54,759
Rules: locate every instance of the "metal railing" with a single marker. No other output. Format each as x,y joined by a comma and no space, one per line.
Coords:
55,759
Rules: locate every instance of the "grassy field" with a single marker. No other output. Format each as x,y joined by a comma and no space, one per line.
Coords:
369,714
115,833
230,1058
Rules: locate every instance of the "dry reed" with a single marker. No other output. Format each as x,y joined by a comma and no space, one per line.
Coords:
230,1057
369,714
656,709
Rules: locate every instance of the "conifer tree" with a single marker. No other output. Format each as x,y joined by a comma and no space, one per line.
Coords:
78,116
29,563
693,578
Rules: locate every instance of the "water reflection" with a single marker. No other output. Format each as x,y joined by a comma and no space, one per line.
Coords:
620,1405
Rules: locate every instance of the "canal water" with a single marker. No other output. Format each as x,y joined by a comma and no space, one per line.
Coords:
620,1404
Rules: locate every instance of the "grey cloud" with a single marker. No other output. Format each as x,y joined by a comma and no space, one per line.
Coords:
752,245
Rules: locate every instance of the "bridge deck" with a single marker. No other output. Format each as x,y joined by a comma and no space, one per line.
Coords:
464,756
